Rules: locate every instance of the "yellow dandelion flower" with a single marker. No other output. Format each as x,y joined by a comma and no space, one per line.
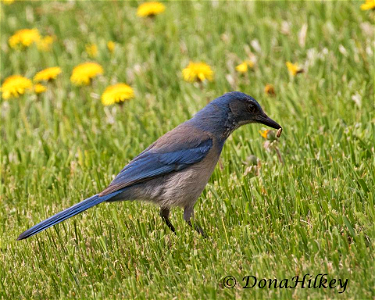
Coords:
14,86
243,67
84,73
7,2
24,37
39,88
47,74
293,69
111,46
92,50
150,9
197,72
45,44
369,4
264,133
269,89
117,93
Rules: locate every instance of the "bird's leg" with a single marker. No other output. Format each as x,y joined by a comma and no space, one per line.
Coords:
164,213
188,215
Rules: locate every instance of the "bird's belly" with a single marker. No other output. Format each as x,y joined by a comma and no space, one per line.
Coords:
180,188
184,188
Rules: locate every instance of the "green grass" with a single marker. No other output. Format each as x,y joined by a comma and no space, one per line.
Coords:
313,214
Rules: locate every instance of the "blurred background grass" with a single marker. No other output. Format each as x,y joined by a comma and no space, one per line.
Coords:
313,214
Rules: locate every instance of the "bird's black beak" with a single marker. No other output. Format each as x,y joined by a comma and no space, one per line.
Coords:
264,119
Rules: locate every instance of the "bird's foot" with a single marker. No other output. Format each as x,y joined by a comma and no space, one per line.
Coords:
164,213
197,228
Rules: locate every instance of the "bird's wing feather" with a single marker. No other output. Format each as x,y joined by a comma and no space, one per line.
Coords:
173,152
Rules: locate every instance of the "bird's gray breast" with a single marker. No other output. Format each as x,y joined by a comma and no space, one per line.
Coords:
184,188
180,188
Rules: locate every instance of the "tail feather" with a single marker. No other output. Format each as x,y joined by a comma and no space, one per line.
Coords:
66,214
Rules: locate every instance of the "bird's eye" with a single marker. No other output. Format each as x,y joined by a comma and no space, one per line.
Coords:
251,108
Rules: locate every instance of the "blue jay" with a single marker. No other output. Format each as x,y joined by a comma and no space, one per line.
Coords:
174,170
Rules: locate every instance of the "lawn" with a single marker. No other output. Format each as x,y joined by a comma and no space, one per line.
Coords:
309,210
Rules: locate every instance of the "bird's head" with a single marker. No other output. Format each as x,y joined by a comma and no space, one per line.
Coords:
230,111
243,109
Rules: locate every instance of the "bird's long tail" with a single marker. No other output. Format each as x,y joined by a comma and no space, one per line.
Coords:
66,214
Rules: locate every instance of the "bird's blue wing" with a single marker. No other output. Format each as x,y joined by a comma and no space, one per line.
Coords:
161,159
